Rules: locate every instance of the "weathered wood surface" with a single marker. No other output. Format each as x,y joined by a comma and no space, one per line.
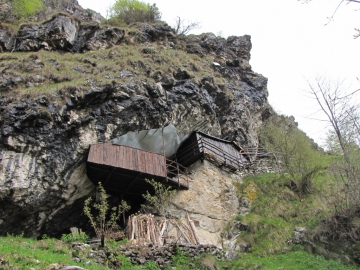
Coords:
125,157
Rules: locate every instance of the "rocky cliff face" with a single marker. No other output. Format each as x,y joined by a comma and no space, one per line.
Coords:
55,102
211,202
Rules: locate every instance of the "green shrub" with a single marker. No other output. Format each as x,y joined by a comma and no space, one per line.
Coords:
24,8
294,152
18,8
131,11
105,226
72,237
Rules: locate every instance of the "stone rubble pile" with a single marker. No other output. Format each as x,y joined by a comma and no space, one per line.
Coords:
163,255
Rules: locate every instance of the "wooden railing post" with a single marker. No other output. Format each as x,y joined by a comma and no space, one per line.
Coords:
177,168
166,170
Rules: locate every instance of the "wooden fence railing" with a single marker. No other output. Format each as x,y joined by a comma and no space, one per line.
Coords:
211,151
178,172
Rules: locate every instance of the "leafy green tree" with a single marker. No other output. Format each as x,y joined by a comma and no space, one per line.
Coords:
131,11
294,151
19,9
103,225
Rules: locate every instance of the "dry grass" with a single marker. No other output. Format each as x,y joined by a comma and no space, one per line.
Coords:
49,73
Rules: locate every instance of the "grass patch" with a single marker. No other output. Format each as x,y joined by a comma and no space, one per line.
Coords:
276,210
295,260
48,73
18,252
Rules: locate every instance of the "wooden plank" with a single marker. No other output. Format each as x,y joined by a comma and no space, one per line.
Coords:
94,159
110,154
134,163
111,158
132,159
153,164
126,158
117,156
162,166
156,165
114,155
143,162
97,154
138,161
100,154
106,153
103,153
148,163
135,153
92,153
91,150
121,157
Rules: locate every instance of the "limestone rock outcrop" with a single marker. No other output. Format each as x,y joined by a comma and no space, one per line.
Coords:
211,202
51,109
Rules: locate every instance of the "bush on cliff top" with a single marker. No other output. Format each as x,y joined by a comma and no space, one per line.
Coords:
131,11
20,9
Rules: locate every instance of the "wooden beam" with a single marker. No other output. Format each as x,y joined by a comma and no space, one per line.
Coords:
111,172
132,182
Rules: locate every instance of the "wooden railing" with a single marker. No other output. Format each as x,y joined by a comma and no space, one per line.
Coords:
211,151
178,172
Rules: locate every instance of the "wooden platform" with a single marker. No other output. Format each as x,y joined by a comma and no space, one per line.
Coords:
122,170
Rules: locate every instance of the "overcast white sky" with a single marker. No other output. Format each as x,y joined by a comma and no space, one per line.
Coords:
290,43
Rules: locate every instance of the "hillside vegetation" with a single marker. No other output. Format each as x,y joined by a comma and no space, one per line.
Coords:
53,73
276,210
55,103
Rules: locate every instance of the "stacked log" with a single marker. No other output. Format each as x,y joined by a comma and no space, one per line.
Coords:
143,229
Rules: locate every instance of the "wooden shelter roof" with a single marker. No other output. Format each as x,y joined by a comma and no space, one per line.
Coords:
122,169
224,153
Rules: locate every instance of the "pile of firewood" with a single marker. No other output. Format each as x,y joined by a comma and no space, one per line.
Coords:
143,229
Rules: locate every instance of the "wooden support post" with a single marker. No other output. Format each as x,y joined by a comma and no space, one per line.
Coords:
191,224
123,214
177,171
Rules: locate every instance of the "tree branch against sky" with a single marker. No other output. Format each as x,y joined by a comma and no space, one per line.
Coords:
331,18
341,108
